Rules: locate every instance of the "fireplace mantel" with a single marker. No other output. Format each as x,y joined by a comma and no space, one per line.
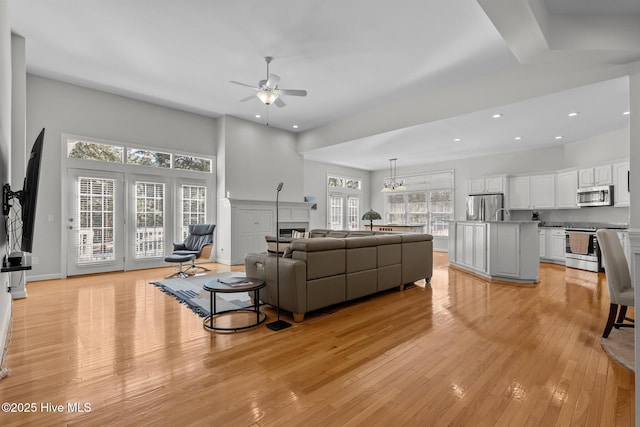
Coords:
288,212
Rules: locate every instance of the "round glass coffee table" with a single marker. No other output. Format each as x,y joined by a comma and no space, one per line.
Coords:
247,284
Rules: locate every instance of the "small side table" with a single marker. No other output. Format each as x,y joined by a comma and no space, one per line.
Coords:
214,286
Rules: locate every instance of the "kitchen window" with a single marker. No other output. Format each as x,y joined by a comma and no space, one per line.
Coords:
428,201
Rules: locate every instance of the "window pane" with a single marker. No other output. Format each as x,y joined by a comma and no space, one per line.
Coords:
192,163
335,181
149,219
417,213
396,209
148,158
194,206
353,183
95,233
336,212
441,210
95,151
353,213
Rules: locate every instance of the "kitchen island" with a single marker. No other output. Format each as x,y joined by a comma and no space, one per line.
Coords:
498,250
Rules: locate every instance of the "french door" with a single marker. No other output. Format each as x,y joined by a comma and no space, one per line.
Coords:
126,221
344,211
95,222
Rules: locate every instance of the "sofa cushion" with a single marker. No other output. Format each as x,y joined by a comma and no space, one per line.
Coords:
318,232
360,242
316,245
338,234
389,250
416,237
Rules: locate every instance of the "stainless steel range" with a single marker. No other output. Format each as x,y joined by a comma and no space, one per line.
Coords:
582,250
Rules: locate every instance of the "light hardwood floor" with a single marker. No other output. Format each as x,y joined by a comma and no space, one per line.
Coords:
461,352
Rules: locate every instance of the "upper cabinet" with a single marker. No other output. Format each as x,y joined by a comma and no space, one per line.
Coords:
492,184
621,184
556,190
532,192
543,191
598,175
566,187
519,196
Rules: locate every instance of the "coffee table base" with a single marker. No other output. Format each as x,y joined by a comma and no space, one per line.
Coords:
209,321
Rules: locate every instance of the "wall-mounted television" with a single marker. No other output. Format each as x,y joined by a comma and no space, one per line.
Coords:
28,196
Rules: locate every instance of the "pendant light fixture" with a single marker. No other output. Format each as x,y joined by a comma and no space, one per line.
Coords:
393,183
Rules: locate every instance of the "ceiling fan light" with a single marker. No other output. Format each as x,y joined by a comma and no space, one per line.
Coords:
267,96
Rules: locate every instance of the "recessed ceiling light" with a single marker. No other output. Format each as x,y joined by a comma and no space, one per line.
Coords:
574,113
626,113
559,137
258,116
457,139
497,115
518,138
295,126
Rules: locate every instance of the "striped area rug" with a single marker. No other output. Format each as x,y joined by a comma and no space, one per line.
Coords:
190,293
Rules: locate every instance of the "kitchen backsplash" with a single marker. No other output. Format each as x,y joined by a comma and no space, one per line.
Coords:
599,214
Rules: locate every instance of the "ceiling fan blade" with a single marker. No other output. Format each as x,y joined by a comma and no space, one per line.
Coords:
279,103
243,84
248,98
293,92
272,81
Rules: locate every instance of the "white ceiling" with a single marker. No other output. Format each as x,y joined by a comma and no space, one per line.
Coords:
352,58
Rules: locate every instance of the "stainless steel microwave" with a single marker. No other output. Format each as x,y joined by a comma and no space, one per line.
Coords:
595,196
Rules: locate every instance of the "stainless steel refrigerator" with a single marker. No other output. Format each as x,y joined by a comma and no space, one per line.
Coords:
483,207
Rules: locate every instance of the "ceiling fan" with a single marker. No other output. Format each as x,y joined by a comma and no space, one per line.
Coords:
268,91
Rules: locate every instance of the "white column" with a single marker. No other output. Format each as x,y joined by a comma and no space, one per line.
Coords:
18,139
634,209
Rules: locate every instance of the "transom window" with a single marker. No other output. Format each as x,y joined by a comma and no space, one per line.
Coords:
111,153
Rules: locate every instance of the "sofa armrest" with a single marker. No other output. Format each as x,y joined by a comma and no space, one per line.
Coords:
293,280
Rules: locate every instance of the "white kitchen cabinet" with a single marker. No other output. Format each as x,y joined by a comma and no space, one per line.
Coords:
552,247
556,244
468,245
480,247
505,244
491,184
506,250
621,196
532,192
566,188
542,236
593,176
495,184
543,191
475,186
519,196
585,177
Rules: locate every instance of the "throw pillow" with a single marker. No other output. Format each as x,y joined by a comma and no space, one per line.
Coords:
288,253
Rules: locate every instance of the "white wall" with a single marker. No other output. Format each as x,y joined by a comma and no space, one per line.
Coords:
257,158
252,160
315,179
65,108
5,156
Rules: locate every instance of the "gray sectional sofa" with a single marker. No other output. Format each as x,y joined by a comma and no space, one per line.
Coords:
331,267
